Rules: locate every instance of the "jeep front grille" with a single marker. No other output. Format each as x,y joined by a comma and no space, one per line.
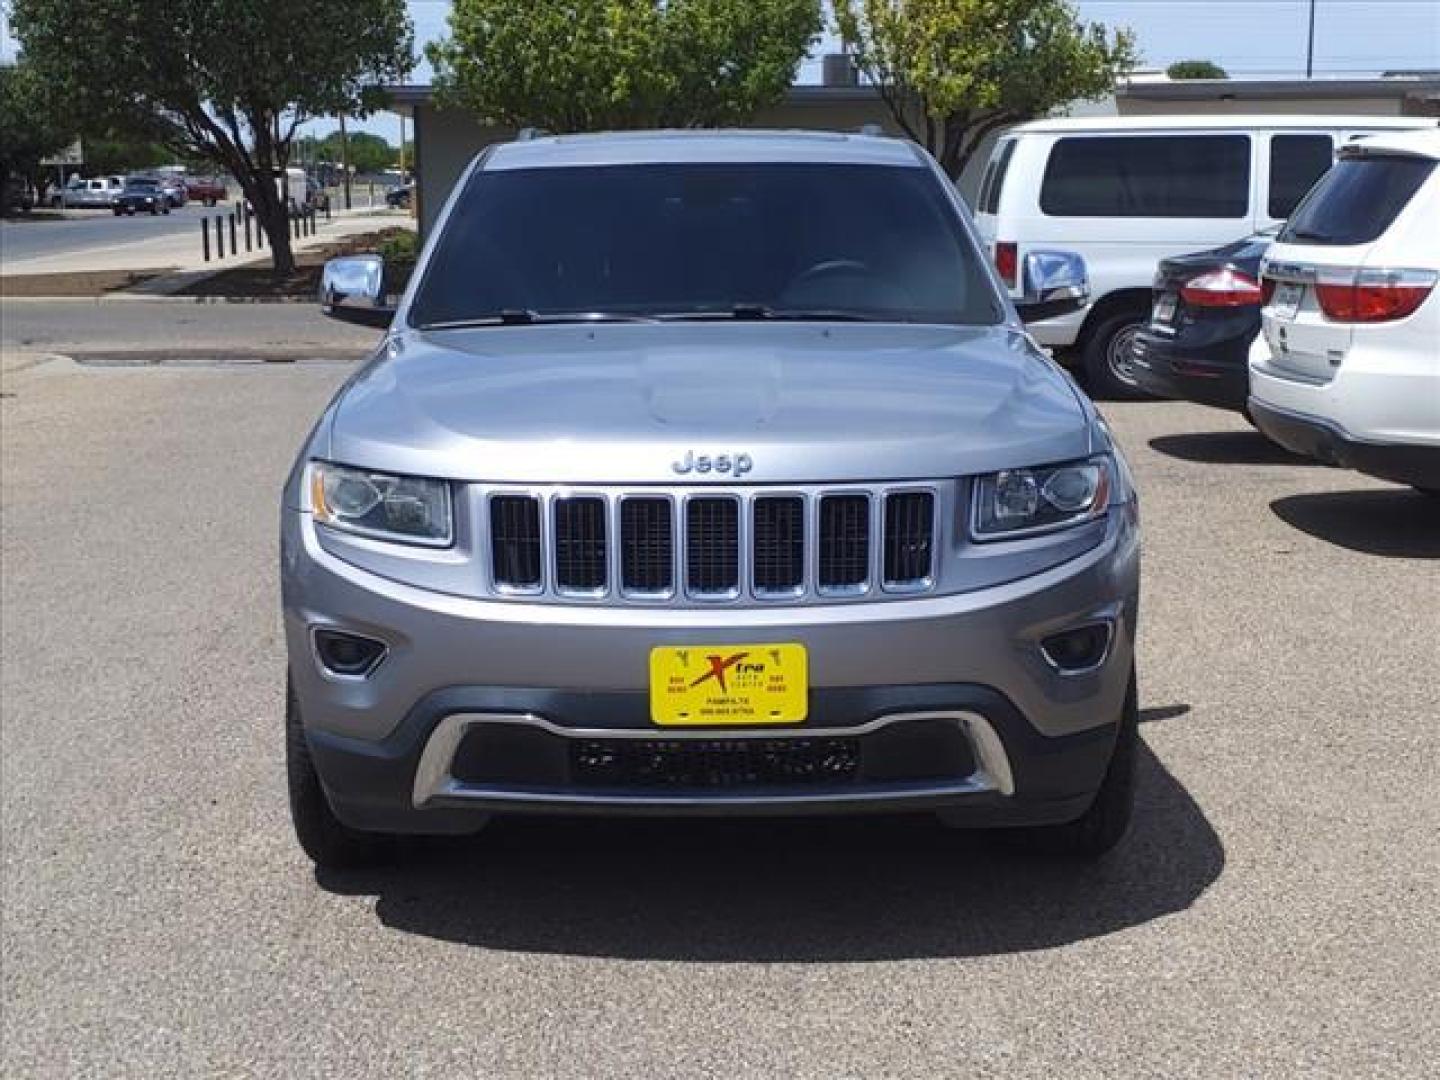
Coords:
711,546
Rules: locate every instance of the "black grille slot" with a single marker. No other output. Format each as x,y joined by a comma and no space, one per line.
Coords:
844,542
580,544
778,554
714,763
647,545
909,531
712,545
515,541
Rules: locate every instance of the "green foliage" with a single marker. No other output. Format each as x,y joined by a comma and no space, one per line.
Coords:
31,127
399,246
1196,69
608,64
368,153
953,71
224,80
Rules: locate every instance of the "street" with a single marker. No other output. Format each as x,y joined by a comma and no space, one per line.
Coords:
1271,912
86,230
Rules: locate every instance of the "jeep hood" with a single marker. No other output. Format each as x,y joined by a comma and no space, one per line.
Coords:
618,403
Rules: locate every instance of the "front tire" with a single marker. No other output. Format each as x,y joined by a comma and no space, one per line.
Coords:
1104,824
1108,357
331,844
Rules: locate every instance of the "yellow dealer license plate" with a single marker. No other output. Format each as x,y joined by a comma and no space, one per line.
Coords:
720,685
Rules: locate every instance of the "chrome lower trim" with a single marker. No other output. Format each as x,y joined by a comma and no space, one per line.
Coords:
433,779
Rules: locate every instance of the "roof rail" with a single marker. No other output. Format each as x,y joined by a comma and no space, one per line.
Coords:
874,130
526,134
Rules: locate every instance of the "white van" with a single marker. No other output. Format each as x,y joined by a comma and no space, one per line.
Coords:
1126,192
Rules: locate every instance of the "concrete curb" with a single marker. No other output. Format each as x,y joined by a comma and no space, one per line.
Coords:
158,298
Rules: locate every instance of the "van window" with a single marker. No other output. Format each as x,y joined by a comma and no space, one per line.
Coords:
1356,200
995,177
1296,162
1156,176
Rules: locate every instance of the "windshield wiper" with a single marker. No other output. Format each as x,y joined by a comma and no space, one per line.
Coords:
760,312
530,317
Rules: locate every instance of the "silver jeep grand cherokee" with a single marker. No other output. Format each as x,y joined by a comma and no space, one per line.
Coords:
708,473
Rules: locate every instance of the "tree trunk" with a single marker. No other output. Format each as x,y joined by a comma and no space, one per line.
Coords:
272,215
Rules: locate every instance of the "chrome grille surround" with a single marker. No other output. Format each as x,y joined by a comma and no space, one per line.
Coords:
633,574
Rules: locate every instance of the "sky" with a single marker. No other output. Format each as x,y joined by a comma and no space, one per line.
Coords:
1245,37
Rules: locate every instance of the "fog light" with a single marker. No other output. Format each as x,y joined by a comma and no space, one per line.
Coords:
1080,649
348,654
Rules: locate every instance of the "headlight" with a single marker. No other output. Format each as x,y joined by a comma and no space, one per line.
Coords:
407,509
1020,502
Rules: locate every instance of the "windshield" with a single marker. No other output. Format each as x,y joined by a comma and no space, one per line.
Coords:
698,240
137,184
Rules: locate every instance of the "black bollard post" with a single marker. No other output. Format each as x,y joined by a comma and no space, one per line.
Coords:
219,238
205,237
259,237
247,231
234,248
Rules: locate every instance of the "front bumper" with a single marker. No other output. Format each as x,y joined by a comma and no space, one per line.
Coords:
1011,740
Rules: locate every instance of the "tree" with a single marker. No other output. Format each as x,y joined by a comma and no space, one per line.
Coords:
613,64
952,72
29,127
228,81
1196,69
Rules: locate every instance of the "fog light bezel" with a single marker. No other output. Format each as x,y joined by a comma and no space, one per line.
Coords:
356,674
1107,625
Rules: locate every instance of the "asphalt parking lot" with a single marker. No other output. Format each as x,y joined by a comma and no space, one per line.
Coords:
1273,912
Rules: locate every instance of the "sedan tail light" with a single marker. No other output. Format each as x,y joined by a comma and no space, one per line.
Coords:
1374,296
1227,288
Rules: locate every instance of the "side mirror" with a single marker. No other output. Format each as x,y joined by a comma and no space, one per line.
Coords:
352,289
1053,283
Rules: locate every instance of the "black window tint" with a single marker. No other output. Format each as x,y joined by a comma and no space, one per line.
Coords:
880,241
1356,200
1191,176
1296,162
995,177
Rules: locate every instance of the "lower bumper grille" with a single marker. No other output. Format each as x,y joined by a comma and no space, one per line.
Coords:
713,763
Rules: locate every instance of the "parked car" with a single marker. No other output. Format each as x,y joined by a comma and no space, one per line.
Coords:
1206,312
708,473
172,186
1347,368
1126,192
97,193
400,196
207,190
141,194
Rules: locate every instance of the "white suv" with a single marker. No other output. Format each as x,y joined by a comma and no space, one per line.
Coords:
1125,192
1347,369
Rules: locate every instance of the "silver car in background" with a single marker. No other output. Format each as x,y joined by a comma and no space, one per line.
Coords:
708,473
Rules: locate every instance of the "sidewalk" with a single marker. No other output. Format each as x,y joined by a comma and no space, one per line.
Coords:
176,253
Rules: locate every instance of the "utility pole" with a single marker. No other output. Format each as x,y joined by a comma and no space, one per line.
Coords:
402,148
345,159
1310,47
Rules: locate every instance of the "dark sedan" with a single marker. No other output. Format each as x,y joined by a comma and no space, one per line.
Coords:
1206,313
140,195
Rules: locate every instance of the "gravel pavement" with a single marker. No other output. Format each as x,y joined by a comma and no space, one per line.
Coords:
1274,912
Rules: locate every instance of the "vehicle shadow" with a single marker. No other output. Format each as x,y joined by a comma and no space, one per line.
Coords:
794,890
1393,522
1226,448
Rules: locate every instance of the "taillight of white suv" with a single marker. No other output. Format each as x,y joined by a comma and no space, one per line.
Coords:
1369,295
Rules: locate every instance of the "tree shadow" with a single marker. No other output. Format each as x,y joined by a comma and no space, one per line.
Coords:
1226,448
1393,522
789,890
